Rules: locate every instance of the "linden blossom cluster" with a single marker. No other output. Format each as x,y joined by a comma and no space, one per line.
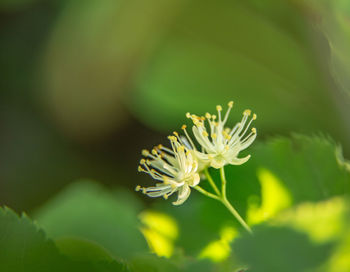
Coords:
177,169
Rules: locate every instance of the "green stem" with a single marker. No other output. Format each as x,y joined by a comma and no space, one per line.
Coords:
236,214
204,192
211,181
223,182
228,204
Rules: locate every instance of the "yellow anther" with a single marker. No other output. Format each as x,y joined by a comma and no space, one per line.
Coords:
254,116
247,112
227,147
187,153
176,134
218,108
138,188
183,127
214,117
160,146
188,115
207,115
154,151
230,104
226,135
165,196
205,134
172,138
214,135
140,169
144,190
148,162
145,152
142,161
202,118
181,148
254,130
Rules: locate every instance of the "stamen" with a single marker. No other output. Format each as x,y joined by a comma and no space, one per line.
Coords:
247,112
138,188
145,152
230,104
205,134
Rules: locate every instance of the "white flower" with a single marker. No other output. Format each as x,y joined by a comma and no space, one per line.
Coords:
176,171
220,145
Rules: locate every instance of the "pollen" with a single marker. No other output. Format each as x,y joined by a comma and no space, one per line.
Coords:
145,152
205,134
214,135
230,104
207,115
188,115
140,169
218,108
142,161
181,148
138,188
247,112
254,130
183,127
254,116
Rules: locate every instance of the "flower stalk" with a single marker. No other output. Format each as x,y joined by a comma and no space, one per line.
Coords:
221,196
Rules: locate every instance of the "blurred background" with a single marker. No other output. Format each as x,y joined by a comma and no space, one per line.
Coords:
85,85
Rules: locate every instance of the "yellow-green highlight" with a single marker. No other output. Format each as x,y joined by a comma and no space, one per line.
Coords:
160,231
274,198
323,221
219,250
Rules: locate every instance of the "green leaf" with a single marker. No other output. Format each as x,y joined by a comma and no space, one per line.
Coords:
85,210
152,263
228,50
89,254
280,249
82,250
23,247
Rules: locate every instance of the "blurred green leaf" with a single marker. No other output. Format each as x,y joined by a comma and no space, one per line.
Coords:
152,263
335,24
89,254
86,210
82,250
24,247
280,249
228,50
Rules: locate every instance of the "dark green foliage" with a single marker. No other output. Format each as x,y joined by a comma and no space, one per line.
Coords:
280,249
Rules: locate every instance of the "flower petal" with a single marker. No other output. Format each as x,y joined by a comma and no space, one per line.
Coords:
184,193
